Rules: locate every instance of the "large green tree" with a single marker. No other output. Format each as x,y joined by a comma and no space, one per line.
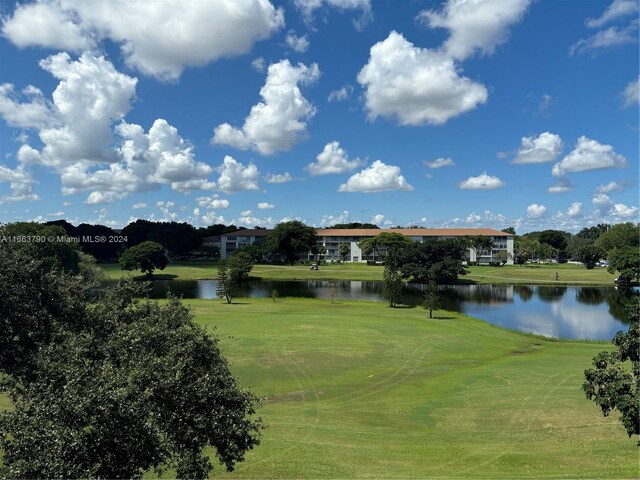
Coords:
621,235
589,255
180,239
240,265
50,244
291,239
614,381
383,243
437,260
625,261
146,257
110,387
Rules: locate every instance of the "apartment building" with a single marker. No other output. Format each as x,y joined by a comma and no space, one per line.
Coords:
331,239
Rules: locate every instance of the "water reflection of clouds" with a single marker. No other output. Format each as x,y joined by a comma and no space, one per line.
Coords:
550,311
563,320
578,321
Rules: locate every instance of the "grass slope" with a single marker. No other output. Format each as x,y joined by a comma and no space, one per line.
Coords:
509,274
359,390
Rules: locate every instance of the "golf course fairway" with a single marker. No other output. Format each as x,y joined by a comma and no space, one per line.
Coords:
360,390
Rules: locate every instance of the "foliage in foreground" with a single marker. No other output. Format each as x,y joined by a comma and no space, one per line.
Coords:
112,388
613,386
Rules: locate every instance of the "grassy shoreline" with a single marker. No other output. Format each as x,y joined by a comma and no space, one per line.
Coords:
567,274
359,390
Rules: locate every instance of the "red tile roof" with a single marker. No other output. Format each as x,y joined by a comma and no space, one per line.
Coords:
372,232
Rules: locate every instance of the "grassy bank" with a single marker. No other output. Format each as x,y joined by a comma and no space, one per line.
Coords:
509,274
358,390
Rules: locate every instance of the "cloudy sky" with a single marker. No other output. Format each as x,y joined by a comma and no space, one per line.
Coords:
456,113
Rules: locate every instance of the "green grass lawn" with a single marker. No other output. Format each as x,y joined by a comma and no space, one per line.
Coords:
359,390
509,274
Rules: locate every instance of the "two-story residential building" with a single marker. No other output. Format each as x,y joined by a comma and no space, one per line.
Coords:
331,239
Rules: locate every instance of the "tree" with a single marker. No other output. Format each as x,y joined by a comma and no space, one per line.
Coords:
343,250
239,266
556,238
392,285
36,304
95,240
322,250
626,261
383,243
592,233
438,260
589,255
502,257
510,230
355,225
611,384
50,244
141,387
290,239
621,235
146,257
525,249
431,298
480,243
179,239
226,286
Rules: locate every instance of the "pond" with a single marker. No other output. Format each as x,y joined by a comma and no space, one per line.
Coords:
594,313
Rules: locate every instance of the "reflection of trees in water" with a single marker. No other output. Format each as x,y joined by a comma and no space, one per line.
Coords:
618,300
551,294
524,291
590,295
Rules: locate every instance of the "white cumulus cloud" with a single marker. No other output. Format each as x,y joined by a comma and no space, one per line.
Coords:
197,33
21,183
213,202
536,211
265,206
416,85
589,155
546,147
279,121
234,176
563,186
575,210
333,159
609,187
621,210
330,220
481,182
378,177
475,25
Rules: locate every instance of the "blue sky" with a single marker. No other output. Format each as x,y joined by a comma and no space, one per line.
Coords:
462,113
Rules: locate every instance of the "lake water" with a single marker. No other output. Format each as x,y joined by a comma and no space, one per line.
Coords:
595,313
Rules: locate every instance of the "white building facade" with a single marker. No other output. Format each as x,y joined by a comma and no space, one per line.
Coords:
332,239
